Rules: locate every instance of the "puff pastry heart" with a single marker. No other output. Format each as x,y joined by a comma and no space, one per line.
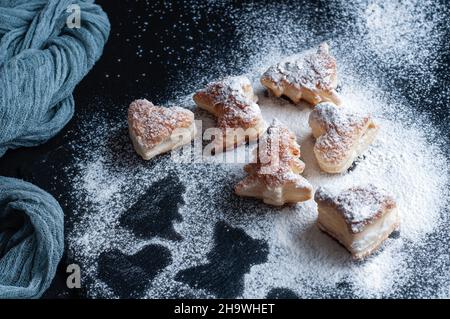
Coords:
155,130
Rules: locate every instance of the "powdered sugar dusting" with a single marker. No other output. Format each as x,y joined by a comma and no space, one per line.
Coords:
404,41
233,100
337,131
406,159
277,169
152,124
311,70
359,206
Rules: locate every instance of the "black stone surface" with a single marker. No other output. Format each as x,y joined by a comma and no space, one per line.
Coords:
281,293
233,254
129,275
154,213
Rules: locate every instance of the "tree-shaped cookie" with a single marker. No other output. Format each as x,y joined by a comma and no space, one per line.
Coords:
275,176
311,76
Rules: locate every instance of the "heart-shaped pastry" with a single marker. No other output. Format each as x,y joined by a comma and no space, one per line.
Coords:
155,130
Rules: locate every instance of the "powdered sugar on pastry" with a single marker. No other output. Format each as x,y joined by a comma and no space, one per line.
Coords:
360,218
311,76
358,205
275,177
233,102
408,157
341,136
152,127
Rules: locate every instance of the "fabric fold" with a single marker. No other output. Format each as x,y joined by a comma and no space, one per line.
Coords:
31,239
42,59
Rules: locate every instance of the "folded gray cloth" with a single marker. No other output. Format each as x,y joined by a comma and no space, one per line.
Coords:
42,59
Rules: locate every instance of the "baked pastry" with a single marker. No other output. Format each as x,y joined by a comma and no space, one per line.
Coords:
233,102
275,174
155,130
341,136
360,218
311,76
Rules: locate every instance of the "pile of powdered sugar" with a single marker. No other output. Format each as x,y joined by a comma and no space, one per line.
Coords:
407,160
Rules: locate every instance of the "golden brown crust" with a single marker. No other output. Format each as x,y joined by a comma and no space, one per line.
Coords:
150,124
378,244
311,77
232,101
